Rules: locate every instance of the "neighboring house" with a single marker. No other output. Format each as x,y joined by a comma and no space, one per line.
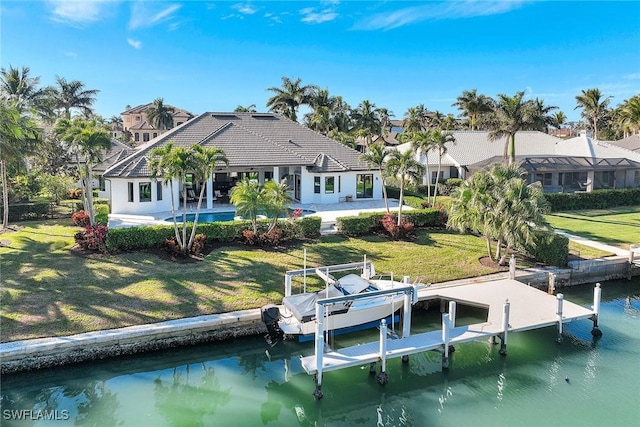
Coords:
135,121
561,165
116,152
259,146
631,143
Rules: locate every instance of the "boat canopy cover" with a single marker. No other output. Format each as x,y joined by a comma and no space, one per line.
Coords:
353,284
303,306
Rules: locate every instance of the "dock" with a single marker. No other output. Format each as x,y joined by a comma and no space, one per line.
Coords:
512,306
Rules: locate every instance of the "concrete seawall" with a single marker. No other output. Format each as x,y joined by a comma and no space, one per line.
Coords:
55,351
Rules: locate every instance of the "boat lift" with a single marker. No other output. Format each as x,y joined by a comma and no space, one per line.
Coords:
410,297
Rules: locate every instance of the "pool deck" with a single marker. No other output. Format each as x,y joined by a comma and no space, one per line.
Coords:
328,212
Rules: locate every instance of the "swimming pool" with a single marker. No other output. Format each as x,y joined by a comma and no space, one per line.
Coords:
220,216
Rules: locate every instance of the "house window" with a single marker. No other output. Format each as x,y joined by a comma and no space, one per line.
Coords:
137,118
636,179
544,178
130,191
329,183
434,177
364,186
145,191
136,137
268,176
101,183
159,190
316,184
339,184
155,134
145,137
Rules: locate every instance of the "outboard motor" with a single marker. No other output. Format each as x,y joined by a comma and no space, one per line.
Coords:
270,316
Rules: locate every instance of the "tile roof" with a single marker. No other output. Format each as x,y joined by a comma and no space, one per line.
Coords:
250,140
144,107
474,146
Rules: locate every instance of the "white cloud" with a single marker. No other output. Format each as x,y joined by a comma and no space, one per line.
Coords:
273,19
632,76
76,12
310,16
144,15
245,9
136,44
435,11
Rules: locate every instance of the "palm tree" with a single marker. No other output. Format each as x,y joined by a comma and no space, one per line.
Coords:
559,119
20,89
511,114
246,196
407,169
499,204
376,156
421,144
440,140
366,121
69,95
473,106
160,116
593,106
175,164
19,136
205,163
275,201
415,119
289,97
629,115
88,140
249,109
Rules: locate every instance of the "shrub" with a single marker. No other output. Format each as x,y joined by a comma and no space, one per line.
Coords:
550,248
308,226
268,239
199,241
27,211
396,231
80,219
598,199
93,238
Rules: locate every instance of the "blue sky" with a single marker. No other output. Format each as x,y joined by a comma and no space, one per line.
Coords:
215,55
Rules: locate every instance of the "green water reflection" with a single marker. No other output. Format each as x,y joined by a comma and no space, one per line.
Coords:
244,383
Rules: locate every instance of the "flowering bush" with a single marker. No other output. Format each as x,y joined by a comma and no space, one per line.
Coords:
402,231
93,237
199,242
74,193
270,239
80,218
297,213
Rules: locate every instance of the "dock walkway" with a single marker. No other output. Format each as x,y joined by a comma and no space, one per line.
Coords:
530,308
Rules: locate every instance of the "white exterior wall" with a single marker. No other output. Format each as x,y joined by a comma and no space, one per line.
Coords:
120,193
346,188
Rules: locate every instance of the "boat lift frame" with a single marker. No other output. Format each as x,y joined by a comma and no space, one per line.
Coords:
367,270
410,297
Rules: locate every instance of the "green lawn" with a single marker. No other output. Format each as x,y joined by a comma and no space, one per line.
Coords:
48,291
617,227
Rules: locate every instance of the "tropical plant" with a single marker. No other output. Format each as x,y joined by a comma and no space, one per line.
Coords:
88,140
511,114
376,156
72,95
246,197
366,121
160,115
559,119
248,109
275,201
498,204
404,167
593,107
439,143
629,115
473,107
19,136
20,89
421,144
289,97
415,119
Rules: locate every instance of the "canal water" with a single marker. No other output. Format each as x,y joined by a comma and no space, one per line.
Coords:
579,382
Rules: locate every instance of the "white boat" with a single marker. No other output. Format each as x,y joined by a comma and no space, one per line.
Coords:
349,301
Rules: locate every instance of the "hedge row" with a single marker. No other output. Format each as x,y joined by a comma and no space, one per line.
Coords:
143,237
27,211
368,222
598,199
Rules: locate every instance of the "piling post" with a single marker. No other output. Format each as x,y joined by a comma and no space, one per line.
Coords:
383,377
552,283
319,348
632,251
287,285
505,327
445,340
406,319
597,295
560,300
512,267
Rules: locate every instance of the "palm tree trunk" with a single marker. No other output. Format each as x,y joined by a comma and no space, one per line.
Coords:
173,213
183,243
195,220
512,148
489,250
401,200
384,192
435,190
89,195
5,194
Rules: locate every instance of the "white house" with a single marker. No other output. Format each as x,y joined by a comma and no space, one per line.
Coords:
561,165
260,146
